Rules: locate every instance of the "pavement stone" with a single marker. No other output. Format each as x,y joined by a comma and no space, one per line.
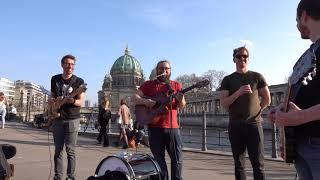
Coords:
34,158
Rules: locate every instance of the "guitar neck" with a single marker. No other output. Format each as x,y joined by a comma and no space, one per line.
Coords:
287,99
73,94
187,89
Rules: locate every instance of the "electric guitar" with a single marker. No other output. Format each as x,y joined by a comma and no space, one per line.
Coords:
55,104
145,115
303,71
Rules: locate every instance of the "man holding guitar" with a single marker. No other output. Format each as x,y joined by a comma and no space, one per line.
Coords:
303,106
239,94
164,133
65,127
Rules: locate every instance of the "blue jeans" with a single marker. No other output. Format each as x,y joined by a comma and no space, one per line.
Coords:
308,159
65,132
161,139
247,136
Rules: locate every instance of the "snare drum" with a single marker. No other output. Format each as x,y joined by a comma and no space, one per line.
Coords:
136,166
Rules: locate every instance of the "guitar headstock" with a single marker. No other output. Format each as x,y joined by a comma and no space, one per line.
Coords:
201,84
305,68
80,89
83,87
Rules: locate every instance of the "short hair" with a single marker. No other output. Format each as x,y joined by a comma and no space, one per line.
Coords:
236,50
68,56
123,101
312,8
1,94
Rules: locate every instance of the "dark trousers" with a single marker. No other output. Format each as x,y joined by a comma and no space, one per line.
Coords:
247,136
65,132
103,136
161,139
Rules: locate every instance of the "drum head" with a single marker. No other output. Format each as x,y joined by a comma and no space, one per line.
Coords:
112,163
144,165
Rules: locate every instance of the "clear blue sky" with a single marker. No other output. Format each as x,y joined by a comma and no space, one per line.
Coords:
195,35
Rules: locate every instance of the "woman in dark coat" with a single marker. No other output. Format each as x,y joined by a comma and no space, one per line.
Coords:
103,119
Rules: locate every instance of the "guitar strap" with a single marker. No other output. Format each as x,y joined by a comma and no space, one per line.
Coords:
72,81
315,47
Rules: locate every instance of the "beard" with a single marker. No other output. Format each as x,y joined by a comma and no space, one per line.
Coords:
164,78
304,31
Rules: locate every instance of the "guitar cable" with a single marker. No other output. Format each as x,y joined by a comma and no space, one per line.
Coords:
50,158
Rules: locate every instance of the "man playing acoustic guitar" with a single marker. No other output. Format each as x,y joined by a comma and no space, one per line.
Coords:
65,127
303,109
164,133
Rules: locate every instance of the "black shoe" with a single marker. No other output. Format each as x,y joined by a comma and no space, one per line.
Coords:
70,178
98,142
125,146
8,150
116,144
106,145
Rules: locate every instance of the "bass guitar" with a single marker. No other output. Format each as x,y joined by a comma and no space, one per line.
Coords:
145,115
55,104
303,71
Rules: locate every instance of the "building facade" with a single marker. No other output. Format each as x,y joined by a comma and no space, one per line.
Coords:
29,98
122,81
7,87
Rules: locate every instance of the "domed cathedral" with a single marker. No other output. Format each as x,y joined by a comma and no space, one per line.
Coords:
124,79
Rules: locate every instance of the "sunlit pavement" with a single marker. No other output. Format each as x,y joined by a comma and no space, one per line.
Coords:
34,158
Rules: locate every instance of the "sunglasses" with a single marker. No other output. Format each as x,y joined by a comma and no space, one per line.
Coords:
244,56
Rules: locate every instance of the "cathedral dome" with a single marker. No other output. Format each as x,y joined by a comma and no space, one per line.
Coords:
126,64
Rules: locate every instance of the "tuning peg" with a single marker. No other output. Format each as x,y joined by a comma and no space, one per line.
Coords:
314,72
309,77
304,82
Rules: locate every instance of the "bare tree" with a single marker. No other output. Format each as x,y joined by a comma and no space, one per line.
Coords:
188,80
215,77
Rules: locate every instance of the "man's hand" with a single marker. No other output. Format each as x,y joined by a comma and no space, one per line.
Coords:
179,96
70,100
293,117
150,103
245,89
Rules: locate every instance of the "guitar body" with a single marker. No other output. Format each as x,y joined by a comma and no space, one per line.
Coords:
53,110
288,141
145,115
55,104
288,136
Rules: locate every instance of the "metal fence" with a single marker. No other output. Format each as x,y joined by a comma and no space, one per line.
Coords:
199,137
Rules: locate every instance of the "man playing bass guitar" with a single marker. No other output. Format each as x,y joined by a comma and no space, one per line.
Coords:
164,133
65,127
303,109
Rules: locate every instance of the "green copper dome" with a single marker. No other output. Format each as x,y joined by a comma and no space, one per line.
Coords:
126,64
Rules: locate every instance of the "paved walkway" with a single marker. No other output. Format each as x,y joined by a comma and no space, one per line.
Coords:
34,159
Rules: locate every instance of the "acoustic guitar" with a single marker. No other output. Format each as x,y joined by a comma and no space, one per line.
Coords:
303,71
145,115
55,104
